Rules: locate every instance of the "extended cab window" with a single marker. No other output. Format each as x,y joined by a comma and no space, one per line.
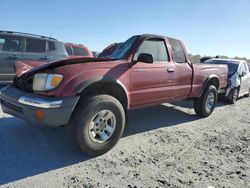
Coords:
178,52
156,48
79,51
10,43
35,45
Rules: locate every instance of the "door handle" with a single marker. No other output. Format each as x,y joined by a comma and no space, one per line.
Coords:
170,70
138,70
12,57
44,58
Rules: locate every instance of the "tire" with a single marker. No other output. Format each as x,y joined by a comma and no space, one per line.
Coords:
233,96
247,95
204,106
92,131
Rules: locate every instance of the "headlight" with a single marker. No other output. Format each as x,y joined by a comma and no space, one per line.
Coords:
46,82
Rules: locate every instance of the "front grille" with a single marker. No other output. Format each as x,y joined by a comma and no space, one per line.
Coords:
11,106
24,83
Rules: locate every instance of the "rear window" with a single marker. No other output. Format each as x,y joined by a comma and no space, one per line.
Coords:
80,51
178,52
35,45
10,43
69,50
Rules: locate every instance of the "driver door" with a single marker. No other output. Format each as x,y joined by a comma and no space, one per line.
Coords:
152,83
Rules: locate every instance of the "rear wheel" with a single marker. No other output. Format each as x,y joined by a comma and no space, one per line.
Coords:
233,95
204,106
98,124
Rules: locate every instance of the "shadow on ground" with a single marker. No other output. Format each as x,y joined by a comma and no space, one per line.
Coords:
158,117
27,150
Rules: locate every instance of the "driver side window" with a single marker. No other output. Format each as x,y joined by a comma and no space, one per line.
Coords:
156,48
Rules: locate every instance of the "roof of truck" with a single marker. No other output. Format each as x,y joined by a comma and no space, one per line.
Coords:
155,36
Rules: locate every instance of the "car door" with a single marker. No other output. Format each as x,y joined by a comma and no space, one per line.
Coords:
36,49
10,52
244,78
152,83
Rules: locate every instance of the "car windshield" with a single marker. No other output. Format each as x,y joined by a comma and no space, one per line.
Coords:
122,49
232,65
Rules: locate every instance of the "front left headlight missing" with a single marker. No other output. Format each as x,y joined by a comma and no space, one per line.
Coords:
46,82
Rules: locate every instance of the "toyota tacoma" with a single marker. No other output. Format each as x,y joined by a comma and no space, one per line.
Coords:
93,95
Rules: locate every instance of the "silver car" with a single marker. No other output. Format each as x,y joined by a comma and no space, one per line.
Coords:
16,46
238,78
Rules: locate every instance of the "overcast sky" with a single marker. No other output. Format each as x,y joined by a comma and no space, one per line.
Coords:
207,27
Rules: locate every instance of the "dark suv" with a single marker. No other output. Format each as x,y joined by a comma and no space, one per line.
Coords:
15,46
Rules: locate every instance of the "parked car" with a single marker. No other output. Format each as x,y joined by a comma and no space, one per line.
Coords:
109,50
238,78
16,46
73,51
77,50
92,96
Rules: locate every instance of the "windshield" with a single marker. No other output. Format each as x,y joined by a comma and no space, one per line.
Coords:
122,49
232,65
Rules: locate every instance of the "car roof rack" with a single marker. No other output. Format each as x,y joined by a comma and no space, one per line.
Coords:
22,33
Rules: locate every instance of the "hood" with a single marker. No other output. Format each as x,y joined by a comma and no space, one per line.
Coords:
65,62
21,67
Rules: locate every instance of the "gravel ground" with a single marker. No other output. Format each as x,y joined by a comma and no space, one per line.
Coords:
163,146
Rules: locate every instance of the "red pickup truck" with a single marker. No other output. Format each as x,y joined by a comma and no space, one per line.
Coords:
93,95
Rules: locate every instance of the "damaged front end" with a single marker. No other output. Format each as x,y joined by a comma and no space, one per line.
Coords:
22,101
233,83
24,82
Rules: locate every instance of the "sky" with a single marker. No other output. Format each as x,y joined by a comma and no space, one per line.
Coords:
207,27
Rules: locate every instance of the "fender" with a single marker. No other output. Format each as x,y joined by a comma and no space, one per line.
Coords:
207,81
91,81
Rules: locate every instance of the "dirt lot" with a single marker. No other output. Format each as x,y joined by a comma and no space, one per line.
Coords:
163,146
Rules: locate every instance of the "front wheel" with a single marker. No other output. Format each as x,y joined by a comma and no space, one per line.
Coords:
204,106
98,124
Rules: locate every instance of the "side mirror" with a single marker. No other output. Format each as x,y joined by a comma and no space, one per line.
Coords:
145,58
244,73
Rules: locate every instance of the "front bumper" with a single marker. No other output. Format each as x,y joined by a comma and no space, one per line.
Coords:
37,109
